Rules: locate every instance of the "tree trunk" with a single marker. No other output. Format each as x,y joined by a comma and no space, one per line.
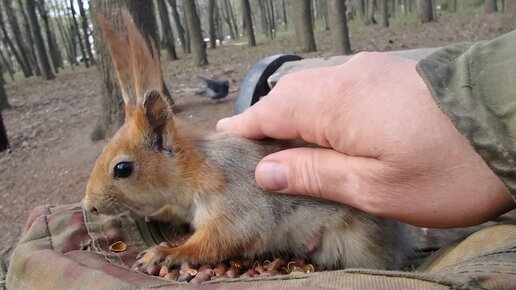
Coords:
50,38
143,12
211,23
7,64
384,13
166,28
4,141
30,46
425,11
452,6
179,27
303,25
78,33
219,24
230,19
509,16
284,12
248,22
227,19
324,13
194,30
46,70
4,102
65,40
360,9
22,51
264,19
8,43
85,32
370,8
272,21
233,20
339,27
490,6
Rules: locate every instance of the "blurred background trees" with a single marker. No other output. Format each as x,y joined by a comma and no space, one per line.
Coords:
42,38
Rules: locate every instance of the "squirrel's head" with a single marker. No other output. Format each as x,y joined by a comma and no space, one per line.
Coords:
134,170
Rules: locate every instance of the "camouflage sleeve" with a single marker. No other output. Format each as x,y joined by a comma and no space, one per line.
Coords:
475,86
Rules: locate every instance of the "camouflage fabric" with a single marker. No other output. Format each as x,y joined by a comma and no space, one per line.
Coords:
474,86
64,248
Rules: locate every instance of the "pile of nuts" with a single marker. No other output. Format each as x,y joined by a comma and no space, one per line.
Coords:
232,269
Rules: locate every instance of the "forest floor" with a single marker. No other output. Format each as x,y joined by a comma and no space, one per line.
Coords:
50,123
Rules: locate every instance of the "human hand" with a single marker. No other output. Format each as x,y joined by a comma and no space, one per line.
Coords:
388,148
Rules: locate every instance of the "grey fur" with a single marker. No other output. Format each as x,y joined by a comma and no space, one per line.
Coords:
286,224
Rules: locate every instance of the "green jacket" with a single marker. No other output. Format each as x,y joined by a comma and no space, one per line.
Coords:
475,86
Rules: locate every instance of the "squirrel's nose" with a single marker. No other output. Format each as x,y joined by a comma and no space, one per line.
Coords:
88,206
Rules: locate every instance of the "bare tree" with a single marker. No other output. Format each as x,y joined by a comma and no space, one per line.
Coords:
384,13
452,5
46,70
30,46
78,34
21,49
143,12
248,22
4,141
264,19
179,27
64,33
211,23
4,102
370,8
425,11
360,9
166,29
490,6
53,49
509,16
272,21
232,15
339,27
6,63
303,25
228,18
85,32
284,13
9,43
194,30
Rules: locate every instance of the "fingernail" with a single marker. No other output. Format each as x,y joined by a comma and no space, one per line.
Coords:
222,125
271,176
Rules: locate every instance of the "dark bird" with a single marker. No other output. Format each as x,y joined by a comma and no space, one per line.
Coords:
214,89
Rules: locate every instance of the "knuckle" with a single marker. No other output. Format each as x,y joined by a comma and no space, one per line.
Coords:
308,177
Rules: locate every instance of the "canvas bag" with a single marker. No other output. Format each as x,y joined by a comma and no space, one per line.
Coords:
63,247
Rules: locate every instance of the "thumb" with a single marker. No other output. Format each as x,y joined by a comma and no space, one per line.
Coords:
318,172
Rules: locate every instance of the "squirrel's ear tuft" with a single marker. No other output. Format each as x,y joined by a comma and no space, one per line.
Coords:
146,65
136,62
118,46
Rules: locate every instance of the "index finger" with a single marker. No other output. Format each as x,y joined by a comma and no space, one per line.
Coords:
287,112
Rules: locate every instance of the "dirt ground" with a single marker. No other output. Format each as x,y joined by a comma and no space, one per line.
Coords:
51,121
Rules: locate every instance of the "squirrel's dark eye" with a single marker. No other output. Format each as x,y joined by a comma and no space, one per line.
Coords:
123,169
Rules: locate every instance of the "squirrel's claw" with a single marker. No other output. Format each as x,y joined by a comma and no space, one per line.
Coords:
157,255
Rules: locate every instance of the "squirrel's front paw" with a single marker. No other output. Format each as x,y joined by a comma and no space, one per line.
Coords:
157,255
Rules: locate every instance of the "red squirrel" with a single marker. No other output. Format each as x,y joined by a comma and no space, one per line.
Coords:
163,169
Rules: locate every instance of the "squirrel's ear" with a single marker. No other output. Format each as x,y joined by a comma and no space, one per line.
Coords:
118,46
157,109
